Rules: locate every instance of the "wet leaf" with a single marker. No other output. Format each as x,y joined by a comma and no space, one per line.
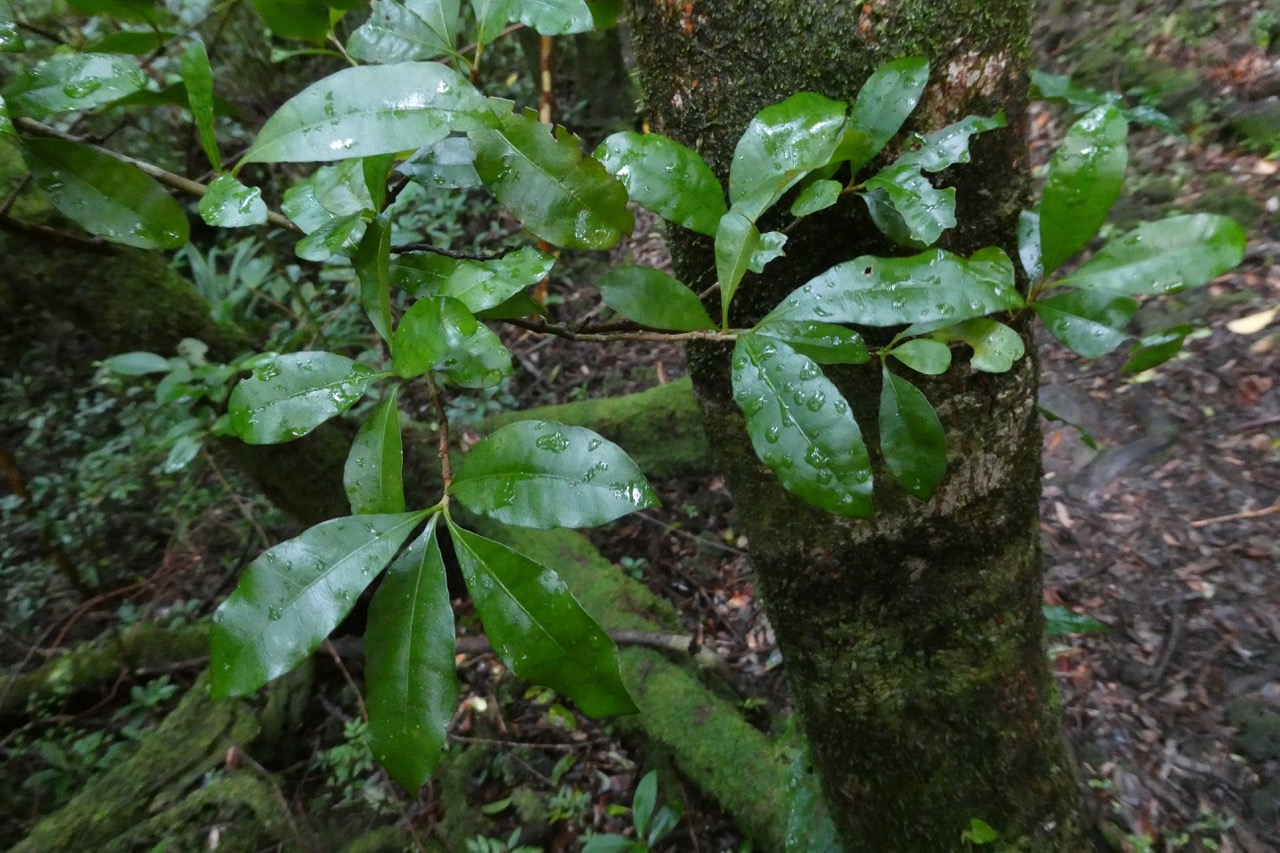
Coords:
911,437
995,346
136,363
409,651
438,333
341,235
652,298
479,285
825,343
1085,178
105,196
293,595
1059,620
780,145
400,32
492,16
449,163
801,426
737,239
290,395
535,624
908,208
10,36
369,110
932,287
133,42
1029,244
559,193
72,81
940,149
372,262
198,79
665,177
556,17
1157,348
1164,256
143,11
923,355
1090,322
332,192
374,472
307,20
885,101
544,475
819,195
230,204
768,249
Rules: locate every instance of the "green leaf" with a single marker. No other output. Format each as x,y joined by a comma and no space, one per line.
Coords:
923,356
544,475
609,844
449,163
72,81
652,298
133,42
1155,349
332,192
980,832
372,109
1090,322
819,195
539,629
1059,621
290,395
376,170
518,306
104,196
780,145
995,346
492,16
665,177
372,262
940,149
307,20
769,249
911,437
374,472
1164,256
1029,244
1085,178
339,236
137,363
6,123
825,343
885,101
1085,437
643,803
801,426
932,287
737,239
143,11
556,17
561,195
230,204
440,334
293,595
908,208
198,78
400,32
10,36
412,684
476,284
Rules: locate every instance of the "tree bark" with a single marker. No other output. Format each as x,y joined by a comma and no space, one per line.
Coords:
913,641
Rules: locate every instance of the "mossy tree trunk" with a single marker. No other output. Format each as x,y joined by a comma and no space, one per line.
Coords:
914,641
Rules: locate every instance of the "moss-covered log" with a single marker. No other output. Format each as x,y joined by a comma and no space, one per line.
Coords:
913,641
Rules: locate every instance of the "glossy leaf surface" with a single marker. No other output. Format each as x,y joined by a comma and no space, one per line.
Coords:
924,356
449,163
1156,348
198,78
72,81
825,343
492,16
544,475
908,208
652,298
290,395
438,333
1029,244
368,110
374,472
330,193
737,240
933,152
293,595
133,42
409,651
886,99
401,32
307,20
104,196
341,235
665,177
372,262
801,426
995,346
539,629
1164,256
1085,178
130,10
1090,322
476,284
561,195
10,35
556,17
819,195
137,363
768,249
780,145
911,437
230,204
934,286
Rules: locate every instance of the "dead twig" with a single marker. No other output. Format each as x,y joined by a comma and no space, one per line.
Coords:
1238,516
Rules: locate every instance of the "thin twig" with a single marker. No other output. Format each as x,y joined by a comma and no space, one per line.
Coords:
516,744
236,499
456,254
446,466
346,676
1238,516
608,337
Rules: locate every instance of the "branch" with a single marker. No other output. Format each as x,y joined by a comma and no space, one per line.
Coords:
169,179
606,337
455,253
682,645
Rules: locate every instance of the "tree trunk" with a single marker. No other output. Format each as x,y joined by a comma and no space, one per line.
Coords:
913,641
